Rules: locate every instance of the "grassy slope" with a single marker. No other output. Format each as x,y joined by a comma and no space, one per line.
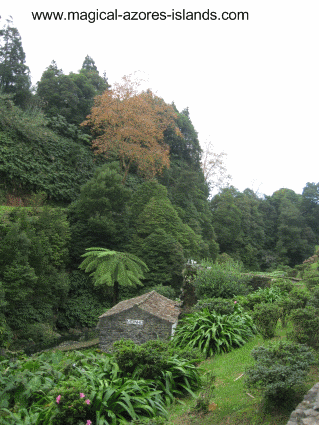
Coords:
234,405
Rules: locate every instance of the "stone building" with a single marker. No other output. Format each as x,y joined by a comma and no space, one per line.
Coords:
149,316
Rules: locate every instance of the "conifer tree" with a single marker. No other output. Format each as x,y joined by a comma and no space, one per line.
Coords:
14,73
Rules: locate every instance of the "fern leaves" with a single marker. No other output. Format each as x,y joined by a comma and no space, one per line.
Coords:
107,267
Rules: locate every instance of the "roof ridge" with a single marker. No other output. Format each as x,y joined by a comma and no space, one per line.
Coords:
146,298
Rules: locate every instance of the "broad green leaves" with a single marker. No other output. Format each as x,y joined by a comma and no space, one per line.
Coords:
73,388
213,333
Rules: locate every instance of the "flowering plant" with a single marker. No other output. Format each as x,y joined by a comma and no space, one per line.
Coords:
73,405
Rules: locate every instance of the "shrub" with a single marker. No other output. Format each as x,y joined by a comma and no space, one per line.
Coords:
284,285
148,360
271,295
84,303
70,407
286,305
61,389
314,300
219,305
265,317
299,296
262,295
279,367
311,278
166,290
41,333
305,326
249,301
173,370
213,333
220,280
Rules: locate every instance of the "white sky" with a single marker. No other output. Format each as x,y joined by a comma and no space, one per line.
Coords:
252,87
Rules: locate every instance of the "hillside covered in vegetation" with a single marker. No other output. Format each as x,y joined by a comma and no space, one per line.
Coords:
87,164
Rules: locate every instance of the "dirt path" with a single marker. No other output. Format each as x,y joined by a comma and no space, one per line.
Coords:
75,345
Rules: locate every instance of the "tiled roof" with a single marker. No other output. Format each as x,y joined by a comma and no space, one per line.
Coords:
152,302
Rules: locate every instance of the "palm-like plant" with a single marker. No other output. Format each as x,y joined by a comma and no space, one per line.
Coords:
113,268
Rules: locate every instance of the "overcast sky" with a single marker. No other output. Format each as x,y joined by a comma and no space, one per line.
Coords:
252,86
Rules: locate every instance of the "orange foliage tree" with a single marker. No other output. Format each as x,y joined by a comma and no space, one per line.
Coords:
129,124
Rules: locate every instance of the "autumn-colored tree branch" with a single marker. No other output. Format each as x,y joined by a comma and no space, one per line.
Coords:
130,125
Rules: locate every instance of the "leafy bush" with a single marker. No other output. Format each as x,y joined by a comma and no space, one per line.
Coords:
73,388
299,296
249,301
172,368
220,280
265,317
150,358
41,333
84,303
285,285
279,367
271,295
219,305
305,326
262,295
311,278
314,300
213,333
224,258
286,305
166,290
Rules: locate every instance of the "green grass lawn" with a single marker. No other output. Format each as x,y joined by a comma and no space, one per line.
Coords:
235,403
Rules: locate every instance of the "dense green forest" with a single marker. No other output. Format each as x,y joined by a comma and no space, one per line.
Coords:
63,189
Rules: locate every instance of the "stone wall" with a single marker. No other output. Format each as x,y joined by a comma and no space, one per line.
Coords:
307,412
135,324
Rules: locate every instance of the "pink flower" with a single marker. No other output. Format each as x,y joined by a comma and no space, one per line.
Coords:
235,302
82,395
88,422
87,401
58,398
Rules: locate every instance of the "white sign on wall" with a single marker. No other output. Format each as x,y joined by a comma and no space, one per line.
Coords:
173,328
134,322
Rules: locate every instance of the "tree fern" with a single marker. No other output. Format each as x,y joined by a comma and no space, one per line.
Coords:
113,268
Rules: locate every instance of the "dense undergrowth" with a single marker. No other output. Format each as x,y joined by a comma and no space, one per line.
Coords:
90,387
238,335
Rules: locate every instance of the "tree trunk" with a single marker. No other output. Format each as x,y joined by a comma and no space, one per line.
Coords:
115,293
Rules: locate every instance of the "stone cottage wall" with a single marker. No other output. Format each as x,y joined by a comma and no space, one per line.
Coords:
135,324
307,412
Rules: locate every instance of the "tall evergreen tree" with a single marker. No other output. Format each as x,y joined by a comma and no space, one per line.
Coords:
14,73
99,217
71,96
310,207
185,182
89,64
294,238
